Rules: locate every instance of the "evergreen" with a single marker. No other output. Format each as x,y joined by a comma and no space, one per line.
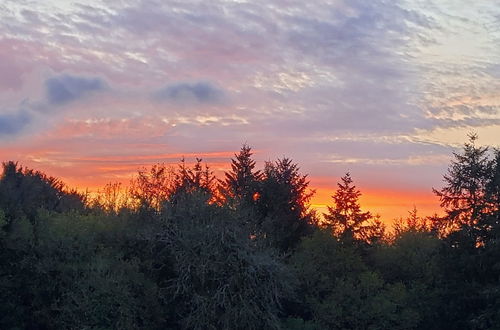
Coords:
178,249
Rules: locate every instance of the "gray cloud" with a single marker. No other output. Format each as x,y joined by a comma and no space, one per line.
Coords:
298,74
59,91
67,88
14,123
190,93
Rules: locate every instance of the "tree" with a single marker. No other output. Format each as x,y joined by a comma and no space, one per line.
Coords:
412,223
24,191
223,280
464,194
151,188
470,200
487,263
345,217
492,196
338,290
414,259
195,180
111,199
162,186
282,210
240,184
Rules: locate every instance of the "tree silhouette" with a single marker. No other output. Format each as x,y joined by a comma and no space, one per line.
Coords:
223,281
493,192
464,195
345,217
282,205
412,223
192,180
180,257
240,183
24,191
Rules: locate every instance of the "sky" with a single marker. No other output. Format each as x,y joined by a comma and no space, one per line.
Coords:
91,91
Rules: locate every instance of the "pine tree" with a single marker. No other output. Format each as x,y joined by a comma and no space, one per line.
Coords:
491,226
464,195
345,217
493,186
240,184
196,180
282,209
412,223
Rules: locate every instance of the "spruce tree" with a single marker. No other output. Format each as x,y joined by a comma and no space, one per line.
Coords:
463,196
345,217
282,205
240,183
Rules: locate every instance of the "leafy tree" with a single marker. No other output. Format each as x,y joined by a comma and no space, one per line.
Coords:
414,258
223,280
340,291
74,277
24,191
111,199
151,188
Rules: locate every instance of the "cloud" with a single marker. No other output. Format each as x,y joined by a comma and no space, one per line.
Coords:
13,123
323,83
59,90
190,93
68,88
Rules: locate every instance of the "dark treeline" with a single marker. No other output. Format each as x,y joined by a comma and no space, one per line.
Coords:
181,249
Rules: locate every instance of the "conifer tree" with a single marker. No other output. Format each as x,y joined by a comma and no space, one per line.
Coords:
412,223
464,195
493,186
240,183
196,180
282,205
345,217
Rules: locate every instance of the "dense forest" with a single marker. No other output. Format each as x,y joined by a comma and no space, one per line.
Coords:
182,249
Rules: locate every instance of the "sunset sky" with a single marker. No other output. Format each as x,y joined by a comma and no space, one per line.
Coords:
91,90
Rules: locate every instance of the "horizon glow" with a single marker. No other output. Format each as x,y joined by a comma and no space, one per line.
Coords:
92,91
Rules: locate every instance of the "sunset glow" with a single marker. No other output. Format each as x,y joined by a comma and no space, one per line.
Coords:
92,91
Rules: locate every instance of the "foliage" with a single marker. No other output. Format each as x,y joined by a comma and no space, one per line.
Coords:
345,218
223,280
412,223
282,213
23,191
414,259
341,292
152,187
181,250
188,181
240,183
464,195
